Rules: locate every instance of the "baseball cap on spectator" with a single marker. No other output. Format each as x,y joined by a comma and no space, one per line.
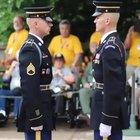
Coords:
59,56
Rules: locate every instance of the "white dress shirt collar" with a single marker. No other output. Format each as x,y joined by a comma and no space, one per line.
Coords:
39,38
106,34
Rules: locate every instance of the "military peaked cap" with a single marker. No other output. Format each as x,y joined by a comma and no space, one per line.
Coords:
39,12
106,7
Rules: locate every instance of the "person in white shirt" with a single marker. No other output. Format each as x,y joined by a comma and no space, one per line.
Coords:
12,75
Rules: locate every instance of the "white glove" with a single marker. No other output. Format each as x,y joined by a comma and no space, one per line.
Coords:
105,130
38,128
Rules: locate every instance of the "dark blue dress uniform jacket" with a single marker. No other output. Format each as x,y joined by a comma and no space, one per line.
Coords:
109,69
35,70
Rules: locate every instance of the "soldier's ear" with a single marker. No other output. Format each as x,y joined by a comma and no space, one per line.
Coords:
107,21
35,23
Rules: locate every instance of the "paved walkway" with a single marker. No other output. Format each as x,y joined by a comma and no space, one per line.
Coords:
62,133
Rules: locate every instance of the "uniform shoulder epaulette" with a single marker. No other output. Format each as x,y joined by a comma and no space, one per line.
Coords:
32,43
111,43
29,41
111,40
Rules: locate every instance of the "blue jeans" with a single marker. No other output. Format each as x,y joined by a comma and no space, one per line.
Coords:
3,100
44,136
17,102
17,105
115,135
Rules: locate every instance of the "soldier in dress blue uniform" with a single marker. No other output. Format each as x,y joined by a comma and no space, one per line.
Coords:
109,73
35,64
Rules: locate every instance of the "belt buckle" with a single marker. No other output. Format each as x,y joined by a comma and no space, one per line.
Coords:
44,87
99,85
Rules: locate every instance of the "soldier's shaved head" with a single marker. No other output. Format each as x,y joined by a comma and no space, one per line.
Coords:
113,17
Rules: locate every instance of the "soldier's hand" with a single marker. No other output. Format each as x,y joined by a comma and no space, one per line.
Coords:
37,128
105,130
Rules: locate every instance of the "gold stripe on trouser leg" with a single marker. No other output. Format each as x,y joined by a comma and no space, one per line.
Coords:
38,135
105,138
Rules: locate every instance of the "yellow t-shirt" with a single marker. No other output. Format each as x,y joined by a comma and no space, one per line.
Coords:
66,46
95,38
134,53
15,42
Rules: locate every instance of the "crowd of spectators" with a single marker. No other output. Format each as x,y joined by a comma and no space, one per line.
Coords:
72,68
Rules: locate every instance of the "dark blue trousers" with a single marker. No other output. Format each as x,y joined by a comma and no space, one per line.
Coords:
44,136
115,135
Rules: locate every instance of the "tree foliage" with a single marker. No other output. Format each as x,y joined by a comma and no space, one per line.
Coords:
8,9
74,10
77,11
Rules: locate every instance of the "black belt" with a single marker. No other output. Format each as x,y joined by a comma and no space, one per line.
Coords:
99,85
44,87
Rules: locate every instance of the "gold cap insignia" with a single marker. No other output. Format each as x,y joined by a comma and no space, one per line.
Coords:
30,69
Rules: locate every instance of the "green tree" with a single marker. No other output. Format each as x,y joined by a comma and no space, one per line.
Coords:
76,11
8,9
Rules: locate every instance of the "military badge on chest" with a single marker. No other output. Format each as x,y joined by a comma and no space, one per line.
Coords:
44,55
97,57
45,71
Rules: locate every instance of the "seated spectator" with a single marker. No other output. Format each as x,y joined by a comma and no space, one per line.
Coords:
86,90
11,74
87,78
67,44
62,76
85,62
62,80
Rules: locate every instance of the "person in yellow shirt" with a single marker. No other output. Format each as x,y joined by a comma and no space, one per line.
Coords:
16,38
132,42
67,44
94,41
